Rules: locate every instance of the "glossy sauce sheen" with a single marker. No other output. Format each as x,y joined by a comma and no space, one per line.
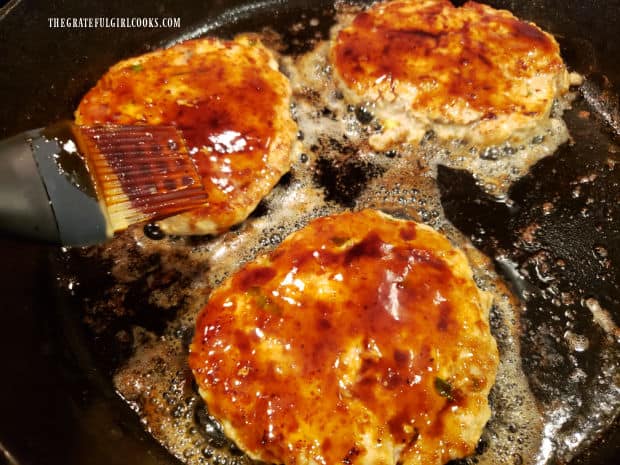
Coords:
231,104
360,339
473,49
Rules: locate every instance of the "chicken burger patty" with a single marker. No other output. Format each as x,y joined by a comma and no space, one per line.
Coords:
360,339
471,73
231,104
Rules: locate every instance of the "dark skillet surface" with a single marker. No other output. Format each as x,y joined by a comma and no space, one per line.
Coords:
57,407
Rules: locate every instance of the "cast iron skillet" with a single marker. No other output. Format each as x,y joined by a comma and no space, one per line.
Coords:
56,402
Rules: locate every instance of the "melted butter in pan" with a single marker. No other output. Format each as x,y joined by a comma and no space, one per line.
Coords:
156,380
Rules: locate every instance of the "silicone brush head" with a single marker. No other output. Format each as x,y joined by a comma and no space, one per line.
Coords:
141,173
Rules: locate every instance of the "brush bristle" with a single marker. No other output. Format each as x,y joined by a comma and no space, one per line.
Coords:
141,172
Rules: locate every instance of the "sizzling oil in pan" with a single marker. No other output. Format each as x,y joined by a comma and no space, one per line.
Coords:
557,387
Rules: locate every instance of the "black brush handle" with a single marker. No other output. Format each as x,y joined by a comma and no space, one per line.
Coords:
38,200
25,208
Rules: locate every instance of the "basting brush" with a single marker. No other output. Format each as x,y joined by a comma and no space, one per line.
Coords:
78,185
